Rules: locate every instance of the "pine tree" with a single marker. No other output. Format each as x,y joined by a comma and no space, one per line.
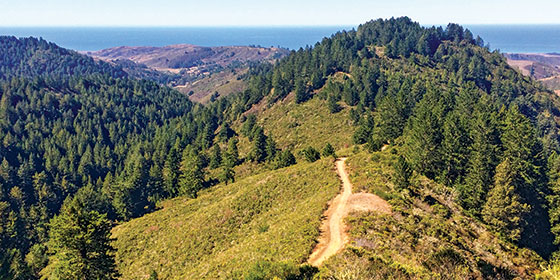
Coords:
225,133
332,104
554,196
301,91
258,152
393,111
171,172
215,157
232,154
310,154
482,160
402,174
248,126
329,151
270,149
284,159
191,179
455,149
80,244
228,174
424,134
504,210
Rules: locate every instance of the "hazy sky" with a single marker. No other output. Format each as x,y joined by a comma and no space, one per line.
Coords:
278,12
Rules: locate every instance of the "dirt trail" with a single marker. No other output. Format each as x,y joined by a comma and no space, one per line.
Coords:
333,236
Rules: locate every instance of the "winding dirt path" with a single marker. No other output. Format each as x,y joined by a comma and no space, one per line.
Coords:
333,231
334,237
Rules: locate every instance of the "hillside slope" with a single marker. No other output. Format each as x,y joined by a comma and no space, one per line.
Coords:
425,237
200,71
273,216
189,57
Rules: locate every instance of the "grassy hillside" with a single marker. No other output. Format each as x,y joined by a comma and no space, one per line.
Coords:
297,126
224,83
272,216
426,236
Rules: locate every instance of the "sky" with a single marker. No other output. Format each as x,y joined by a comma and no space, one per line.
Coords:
271,13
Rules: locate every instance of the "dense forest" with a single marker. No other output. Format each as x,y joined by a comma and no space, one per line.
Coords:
84,146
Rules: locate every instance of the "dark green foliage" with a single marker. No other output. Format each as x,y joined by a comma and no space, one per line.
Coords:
310,154
554,196
364,131
171,171
225,133
482,159
301,91
232,154
215,157
504,210
402,174
425,133
328,151
191,179
270,150
258,152
153,275
248,126
333,105
31,57
79,241
284,159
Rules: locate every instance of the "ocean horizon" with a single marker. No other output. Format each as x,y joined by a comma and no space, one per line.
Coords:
506,38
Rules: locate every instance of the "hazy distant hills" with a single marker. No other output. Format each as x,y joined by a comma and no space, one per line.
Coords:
184,56
543,67
182,66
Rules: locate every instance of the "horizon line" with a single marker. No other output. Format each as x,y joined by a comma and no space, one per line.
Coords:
265,26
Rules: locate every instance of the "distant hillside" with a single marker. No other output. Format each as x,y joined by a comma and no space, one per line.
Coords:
543,67
182,66
189,57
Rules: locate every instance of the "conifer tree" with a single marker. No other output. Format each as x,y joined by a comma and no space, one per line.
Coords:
332,104
310,154
232,154
301,91
402,174
79,242
171,172
258,152
424,134
284,159
191,179
329,151
270,149
504,209
215,157
482,160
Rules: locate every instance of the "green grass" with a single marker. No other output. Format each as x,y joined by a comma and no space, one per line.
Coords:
426,237
296,126
274,216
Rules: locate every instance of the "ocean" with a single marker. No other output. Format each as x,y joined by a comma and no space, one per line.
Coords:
506,38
